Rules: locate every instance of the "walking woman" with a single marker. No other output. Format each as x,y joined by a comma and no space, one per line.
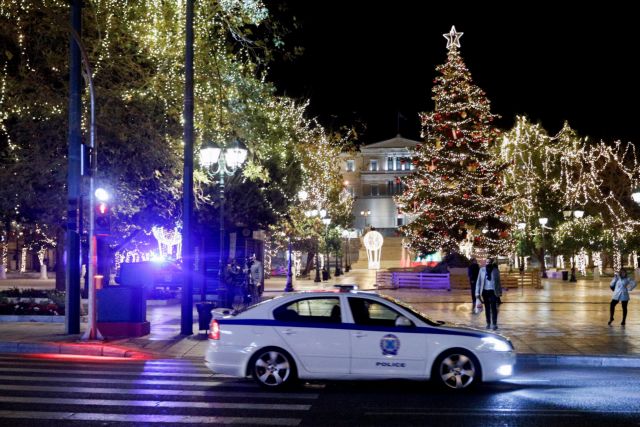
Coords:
488,287
620,285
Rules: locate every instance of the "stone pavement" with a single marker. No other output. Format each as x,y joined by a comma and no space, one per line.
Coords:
559,323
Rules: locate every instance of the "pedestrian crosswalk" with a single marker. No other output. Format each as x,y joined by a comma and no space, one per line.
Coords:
171,392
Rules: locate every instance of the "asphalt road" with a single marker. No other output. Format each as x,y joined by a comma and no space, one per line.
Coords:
82,391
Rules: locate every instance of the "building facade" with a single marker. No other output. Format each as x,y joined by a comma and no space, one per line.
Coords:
373,176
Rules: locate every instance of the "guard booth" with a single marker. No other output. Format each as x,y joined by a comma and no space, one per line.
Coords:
122,309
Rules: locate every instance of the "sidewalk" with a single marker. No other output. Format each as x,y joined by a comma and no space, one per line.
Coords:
563,323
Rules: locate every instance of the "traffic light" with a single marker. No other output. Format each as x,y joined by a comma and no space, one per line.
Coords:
102,219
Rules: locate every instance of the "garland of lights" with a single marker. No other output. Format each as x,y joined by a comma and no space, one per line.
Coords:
23,261
597,261
582,262
129,256
167,240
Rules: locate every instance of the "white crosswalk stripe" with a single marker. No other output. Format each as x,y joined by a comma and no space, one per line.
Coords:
109,372
158,392
156,403
134,419
146,392
119,381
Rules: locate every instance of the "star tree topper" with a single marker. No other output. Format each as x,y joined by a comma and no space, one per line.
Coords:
453,38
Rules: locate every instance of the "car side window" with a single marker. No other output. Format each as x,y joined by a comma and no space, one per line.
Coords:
310,310
371,313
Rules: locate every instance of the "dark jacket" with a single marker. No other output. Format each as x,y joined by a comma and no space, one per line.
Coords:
472,272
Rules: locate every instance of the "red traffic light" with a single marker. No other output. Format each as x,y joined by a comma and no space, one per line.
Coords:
102,221
102,208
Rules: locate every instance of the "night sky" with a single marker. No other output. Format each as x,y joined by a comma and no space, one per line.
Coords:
367,60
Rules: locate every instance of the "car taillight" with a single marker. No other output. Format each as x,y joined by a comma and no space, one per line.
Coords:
214,330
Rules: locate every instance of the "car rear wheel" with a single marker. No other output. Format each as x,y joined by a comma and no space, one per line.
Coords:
273,368
456,369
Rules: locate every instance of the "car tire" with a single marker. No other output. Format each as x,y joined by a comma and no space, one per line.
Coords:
273,368
456,369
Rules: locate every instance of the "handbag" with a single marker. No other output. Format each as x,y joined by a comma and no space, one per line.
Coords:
478,307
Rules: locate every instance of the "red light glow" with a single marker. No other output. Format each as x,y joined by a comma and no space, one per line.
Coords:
78,357
214,330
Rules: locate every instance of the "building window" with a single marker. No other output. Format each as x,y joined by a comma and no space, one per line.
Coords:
390,165
351,165
400,221
375,191
373,165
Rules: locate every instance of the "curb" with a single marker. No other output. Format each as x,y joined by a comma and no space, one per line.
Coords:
604,361
65,348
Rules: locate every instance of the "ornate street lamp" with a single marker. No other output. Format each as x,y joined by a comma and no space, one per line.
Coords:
228,161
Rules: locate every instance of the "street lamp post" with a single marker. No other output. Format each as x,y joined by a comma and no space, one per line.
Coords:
321,213
543,221
302,196
289,285
365,214
521,226
186,306
326,221
229,161
578,213
347,264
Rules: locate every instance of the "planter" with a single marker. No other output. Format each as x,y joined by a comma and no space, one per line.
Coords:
34,300
162,302
31,318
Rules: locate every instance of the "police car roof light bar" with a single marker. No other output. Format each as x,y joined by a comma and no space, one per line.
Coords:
346,288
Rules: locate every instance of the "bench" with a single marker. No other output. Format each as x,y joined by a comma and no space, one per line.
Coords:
396,280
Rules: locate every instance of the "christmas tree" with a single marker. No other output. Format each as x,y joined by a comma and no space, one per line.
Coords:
456,194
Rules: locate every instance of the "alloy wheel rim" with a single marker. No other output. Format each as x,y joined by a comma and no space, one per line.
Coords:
457,371
272,368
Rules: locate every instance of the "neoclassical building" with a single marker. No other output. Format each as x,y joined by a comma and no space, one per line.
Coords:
371,176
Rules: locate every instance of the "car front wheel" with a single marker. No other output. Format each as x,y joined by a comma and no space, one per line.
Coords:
273,368
456,369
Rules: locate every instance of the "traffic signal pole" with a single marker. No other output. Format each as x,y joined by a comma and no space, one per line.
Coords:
92,332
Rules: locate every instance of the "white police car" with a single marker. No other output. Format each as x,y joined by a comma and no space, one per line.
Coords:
348,334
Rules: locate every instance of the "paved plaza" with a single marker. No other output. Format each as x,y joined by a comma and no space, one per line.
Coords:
562,318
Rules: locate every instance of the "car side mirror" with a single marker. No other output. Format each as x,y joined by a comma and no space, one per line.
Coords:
403,321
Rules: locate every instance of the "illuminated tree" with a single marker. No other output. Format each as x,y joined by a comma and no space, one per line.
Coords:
136,50
457,188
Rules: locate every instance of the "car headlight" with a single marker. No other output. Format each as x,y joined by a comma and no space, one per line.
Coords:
496,344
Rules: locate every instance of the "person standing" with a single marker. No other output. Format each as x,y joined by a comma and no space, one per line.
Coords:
256,272
488,287
472,273
620,285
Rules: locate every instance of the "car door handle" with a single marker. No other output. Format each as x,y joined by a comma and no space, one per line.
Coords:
288,332
359,334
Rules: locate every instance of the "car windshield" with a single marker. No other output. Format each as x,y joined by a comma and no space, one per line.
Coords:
412,310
